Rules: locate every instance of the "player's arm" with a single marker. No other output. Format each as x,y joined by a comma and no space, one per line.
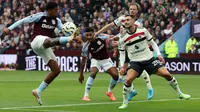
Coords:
123,57
82,66
26,20
154,46
105,28
84,55
117,22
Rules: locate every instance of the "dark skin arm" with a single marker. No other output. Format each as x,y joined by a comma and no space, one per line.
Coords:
82,66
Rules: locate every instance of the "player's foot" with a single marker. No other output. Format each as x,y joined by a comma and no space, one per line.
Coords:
110,94
123,106
184,96
132,94
36,93
86,98
150,94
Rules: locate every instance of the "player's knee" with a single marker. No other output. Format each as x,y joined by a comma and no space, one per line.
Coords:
93,75
115,77
167,76
46,43
128,82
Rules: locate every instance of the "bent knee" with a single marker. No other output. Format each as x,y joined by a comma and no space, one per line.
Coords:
128,82
93,75
167,76
115,77
46,43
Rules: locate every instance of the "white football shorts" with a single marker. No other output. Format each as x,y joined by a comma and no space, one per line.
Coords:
105,64
45,53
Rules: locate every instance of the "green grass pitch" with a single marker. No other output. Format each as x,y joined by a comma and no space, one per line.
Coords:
65,94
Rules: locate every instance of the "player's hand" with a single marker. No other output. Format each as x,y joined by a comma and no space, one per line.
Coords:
122,71
81,78
73,36
114,55
161,59
6,31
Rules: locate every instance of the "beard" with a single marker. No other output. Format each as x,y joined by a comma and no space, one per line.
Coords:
128,27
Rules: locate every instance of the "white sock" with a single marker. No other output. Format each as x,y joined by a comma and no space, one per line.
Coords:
120,76
174,84
145,76
112,84
132,87
42,86
88,85
126,91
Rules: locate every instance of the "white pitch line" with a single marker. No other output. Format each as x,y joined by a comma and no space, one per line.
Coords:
44,110
86,104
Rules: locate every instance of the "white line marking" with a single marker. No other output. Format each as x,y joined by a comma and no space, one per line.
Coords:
31,110
86,104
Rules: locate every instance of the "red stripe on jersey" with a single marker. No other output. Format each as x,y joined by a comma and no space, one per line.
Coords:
134,35
135,25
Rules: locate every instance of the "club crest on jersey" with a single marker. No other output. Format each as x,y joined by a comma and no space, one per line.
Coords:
44,20
99,42
53,22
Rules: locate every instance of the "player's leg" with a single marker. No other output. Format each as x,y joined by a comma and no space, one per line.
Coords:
134,70
113,81
58,41
163,72
50,59
158,67
147,80
133,91
94,70
131,75
109,67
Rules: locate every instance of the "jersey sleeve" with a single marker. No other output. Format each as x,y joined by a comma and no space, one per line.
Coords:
138,24
60,24
84,51
121,46
28,19
119,21
103,36
148,35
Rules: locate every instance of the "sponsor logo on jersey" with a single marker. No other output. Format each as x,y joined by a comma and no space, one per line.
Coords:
47,26
99,42
44,21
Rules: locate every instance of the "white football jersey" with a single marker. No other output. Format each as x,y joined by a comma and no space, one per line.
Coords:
136,44
120,21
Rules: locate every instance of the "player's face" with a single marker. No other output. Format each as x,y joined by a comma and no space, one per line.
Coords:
89,36
133,10
53,12
128,22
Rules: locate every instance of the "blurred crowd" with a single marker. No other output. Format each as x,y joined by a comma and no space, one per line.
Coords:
161,17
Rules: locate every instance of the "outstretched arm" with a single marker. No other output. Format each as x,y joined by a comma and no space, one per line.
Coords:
26,20
105,28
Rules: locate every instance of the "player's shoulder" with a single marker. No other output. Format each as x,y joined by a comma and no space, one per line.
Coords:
141,29
102,36
85,45
138,24
40,14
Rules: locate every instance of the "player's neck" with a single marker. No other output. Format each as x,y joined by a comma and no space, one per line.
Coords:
132,30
